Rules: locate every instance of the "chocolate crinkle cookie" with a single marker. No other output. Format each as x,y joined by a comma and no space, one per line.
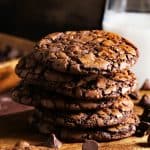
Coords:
36,96
122,130
91,119
81,85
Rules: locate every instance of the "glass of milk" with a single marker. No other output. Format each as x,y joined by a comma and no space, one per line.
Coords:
131,19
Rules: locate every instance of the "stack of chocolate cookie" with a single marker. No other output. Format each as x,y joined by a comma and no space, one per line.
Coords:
79,84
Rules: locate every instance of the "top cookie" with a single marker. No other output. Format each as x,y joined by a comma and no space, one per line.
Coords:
84,52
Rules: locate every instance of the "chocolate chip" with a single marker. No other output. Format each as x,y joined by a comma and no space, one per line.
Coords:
146,85
144,126
135,95
54,142
143,129
145,101
146,115
139,133
90,145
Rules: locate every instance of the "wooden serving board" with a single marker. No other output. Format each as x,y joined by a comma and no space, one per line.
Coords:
15,127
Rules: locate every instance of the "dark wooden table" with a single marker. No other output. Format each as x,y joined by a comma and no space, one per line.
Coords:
7,106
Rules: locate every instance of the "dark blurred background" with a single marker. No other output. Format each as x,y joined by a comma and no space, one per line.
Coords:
35,18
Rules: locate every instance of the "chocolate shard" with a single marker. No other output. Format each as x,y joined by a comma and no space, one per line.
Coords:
54,142
144,126
146,115
135,95
145,101
143,129
90,145
146,85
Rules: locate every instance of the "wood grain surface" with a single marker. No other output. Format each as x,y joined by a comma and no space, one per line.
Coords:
15,127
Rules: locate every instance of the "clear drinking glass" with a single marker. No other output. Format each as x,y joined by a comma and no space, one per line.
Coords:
131,19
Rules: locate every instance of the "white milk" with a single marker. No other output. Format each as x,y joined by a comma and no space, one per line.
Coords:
136,28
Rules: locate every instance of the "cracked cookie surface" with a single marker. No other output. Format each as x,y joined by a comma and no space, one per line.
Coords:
35,96
90,119
84,52
82,87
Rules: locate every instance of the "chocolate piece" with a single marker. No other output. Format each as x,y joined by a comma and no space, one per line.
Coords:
145,123
90,145
82,87
135,95
54,142
146,115
36,96
84,52
142,129
146,85
139,133
125,129
145,101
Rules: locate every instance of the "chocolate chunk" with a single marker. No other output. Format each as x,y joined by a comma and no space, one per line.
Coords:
54,142
90,145
139,133
146,115
146,85
134,95
144,126
142,129
145,101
